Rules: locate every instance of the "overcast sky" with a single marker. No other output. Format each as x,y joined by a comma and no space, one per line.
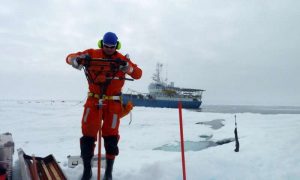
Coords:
240,51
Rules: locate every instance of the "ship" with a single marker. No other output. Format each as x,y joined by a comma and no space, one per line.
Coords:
164,95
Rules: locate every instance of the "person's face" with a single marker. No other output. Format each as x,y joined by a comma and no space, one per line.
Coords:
109,49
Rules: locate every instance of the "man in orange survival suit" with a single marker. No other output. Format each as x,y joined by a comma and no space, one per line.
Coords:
111,109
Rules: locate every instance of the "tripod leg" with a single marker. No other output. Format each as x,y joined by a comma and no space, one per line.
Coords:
99,146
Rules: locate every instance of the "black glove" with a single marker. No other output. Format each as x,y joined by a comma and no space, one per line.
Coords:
77,62
126,68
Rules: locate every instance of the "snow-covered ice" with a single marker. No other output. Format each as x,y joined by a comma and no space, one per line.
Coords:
269,143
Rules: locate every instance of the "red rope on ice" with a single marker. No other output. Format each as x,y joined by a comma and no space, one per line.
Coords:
181,140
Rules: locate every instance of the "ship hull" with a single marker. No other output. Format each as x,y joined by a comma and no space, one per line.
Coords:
162,103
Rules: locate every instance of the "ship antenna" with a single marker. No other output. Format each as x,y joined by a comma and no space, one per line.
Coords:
156,77
159,71
166,79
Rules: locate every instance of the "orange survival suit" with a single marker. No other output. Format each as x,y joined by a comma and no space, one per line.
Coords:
112,109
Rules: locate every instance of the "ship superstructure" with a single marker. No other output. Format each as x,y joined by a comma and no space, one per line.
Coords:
164,94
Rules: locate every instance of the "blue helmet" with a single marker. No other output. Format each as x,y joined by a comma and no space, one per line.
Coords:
110,38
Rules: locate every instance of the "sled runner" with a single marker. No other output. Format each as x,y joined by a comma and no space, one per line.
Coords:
37,168
73,161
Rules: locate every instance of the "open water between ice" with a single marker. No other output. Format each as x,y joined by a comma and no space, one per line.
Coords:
205,141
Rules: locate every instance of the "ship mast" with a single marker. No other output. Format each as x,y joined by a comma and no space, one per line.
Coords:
157,75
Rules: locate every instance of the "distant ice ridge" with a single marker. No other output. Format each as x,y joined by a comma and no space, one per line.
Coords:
251,109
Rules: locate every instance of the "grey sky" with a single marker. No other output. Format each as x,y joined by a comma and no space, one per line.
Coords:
240,52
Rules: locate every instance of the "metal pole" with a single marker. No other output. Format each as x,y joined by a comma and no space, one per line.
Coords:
99,140
181,140
237,144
